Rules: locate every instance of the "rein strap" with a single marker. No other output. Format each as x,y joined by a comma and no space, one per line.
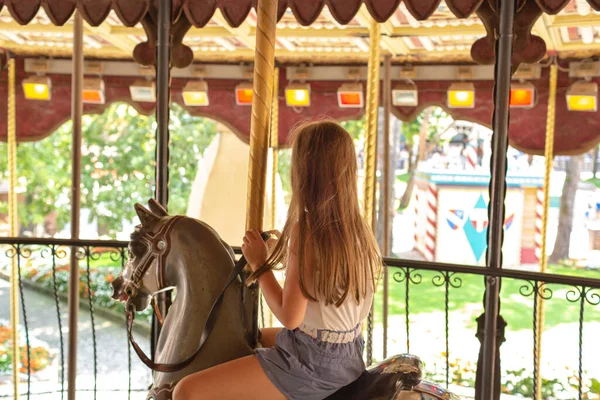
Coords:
208,327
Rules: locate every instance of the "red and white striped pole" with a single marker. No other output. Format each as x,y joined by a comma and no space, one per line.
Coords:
416,203
539,217
471,158
431,226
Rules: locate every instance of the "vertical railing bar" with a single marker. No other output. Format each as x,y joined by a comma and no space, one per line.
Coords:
580,371
446,307
88,255
123,256
60,336
370,337
535,342
25,324
406,310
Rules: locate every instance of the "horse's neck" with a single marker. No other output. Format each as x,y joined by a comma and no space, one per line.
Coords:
180,336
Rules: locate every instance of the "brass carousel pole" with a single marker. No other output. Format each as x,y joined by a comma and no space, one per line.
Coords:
549,158
13,218
274,147
264,62
274,158
76,113
371,148
388,170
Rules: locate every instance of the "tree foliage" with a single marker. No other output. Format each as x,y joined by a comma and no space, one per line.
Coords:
117,170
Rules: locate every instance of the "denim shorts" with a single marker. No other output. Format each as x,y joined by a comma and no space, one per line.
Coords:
303,367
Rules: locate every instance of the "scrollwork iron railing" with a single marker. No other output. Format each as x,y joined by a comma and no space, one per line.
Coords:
415,279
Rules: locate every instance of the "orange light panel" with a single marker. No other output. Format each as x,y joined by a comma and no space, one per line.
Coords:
92,96
522,95
243,96
350,95
93,91
37,88
461,95
297,95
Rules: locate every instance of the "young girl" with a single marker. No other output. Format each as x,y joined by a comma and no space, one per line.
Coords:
332,262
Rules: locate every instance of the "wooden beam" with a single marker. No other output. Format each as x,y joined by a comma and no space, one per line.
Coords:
34,28
574,20
541,28
241,33
105,32
553,32
395,46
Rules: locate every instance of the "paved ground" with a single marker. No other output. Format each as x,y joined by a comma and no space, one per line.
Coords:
111,338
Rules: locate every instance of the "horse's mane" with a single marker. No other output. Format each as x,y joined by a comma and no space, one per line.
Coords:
136,246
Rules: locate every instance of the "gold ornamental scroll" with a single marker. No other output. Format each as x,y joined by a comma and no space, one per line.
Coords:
13,224
264,63
274,147
549,158
372,116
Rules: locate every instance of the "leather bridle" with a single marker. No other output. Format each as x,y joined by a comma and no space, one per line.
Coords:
158,250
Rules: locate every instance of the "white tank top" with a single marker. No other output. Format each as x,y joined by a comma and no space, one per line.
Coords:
343,318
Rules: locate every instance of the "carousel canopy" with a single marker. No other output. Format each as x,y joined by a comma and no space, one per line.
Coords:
315,31
215,33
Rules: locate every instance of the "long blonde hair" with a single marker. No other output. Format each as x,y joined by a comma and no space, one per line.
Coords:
344,255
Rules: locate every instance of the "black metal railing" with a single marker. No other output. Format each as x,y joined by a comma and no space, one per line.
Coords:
415,288
43,270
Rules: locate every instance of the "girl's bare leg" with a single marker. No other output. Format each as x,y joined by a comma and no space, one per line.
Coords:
267,336
238,379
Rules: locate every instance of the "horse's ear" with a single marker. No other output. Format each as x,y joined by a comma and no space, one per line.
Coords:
146,217
157,208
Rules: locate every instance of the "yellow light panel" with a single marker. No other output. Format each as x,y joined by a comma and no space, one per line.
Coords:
37,88
350,96
583,96
297,95
461,95
195,94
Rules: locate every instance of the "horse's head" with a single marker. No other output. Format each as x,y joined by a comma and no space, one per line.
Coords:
143,275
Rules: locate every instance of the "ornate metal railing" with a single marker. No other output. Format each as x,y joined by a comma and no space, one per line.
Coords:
411,283
43,265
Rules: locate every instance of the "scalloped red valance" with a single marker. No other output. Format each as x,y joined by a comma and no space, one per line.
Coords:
199,12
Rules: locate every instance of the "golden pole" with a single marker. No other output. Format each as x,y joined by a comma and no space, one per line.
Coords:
372,106
549,155
13,221
274,156
274,146
264,61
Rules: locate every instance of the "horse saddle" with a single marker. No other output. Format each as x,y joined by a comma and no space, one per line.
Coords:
397,378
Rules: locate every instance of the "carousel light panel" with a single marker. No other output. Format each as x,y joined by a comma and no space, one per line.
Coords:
37,88
461,95
195,93
143,91
93,91
583,96
350,95
522,95
405,96
297,95
243,94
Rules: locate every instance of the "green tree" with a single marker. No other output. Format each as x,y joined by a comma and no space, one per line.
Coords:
426,127
118,152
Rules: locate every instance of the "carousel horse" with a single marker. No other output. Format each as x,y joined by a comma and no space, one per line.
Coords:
213,318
